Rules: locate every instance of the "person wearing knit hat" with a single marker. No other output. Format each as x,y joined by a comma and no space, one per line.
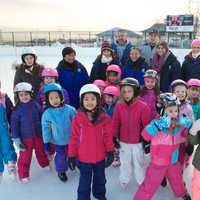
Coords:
191,65
102,61
167,66
71,71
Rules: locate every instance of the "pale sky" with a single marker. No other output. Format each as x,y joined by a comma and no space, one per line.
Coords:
86,14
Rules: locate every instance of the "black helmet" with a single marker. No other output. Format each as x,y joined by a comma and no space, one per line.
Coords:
131,82
168,99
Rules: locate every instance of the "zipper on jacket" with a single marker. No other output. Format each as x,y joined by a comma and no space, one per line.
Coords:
129,137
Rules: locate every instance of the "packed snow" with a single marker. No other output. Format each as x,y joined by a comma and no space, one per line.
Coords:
44,183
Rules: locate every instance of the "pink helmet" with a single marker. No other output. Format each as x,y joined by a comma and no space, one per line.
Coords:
194,82
112,90
114,68
195,43
50,72
99,83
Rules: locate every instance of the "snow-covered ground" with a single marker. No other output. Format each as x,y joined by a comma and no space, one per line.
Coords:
44,184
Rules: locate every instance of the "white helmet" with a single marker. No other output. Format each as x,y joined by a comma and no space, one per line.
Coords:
28,51
89,88
23,87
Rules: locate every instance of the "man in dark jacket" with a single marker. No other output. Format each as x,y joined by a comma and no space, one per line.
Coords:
72,75
122,46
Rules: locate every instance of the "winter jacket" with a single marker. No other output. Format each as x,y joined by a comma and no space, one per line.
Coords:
150,99
129,120
89,141
56,124
190,68
41,99
72,78
186,109
109,109
7,151
26,120
125,54
147,52
165,146
7,103
196,110
170,71
135,69
33,77
99,69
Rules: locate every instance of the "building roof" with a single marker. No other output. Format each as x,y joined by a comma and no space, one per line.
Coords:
112,31
160,27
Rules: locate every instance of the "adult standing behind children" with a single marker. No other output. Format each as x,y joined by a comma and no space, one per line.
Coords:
29,70
122,46
166,65
149,48
72,75
102,62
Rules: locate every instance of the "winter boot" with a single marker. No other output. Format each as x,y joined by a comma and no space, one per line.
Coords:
25,180
11,167
164,182
187,197
62,176
1,177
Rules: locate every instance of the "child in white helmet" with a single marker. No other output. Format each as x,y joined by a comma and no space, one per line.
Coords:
91,145
27,131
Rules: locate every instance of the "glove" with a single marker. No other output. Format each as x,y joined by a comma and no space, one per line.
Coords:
164,122
195,128
47,148
116,142
109,159
185,121
189,149
72,163
19,144
146,146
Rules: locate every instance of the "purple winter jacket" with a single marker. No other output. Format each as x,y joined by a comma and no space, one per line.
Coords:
41,97
26,120
150,99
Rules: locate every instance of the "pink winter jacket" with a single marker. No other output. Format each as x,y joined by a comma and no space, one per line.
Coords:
164,146
129,120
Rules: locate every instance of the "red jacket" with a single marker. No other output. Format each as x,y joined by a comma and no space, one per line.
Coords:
89,142
129,120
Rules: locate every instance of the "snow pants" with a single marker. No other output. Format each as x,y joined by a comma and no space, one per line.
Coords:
25,157
60,159
196,185
131,157
91,174
154,177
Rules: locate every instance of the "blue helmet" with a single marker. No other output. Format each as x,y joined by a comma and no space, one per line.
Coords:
52,87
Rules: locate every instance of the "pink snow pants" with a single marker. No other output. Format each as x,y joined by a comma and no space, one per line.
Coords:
25,157
154,177
196,185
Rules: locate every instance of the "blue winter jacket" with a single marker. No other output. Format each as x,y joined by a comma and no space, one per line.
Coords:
135,70
7,151
72,78
56,124
26,120
126,53
109,109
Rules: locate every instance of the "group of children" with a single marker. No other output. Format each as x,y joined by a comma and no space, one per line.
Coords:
117,123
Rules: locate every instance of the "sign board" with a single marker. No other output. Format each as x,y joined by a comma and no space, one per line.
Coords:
180,23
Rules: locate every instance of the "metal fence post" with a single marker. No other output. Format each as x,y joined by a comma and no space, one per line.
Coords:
70,39
49,38
31,39
13,39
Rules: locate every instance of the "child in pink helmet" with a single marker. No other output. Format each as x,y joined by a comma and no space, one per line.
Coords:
111,96
101,85
194,96
113,75
49,75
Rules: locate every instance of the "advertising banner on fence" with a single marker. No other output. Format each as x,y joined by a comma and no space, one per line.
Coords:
180,23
